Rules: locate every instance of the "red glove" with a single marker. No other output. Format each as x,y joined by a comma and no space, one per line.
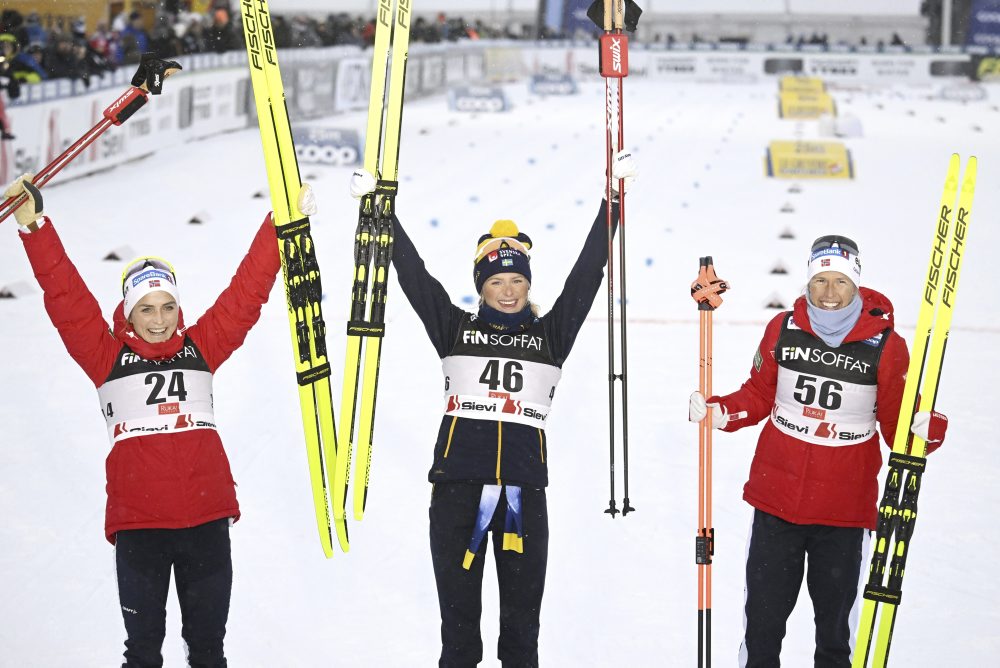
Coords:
931,427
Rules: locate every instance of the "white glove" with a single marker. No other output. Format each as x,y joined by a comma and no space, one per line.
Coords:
623,167
27,214
698,409
307,200
362,183
930,426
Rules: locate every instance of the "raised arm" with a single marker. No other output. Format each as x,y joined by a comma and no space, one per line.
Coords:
69,302
425,293
563,322
224,326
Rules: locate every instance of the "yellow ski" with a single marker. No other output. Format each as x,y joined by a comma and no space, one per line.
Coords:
898,509
300,269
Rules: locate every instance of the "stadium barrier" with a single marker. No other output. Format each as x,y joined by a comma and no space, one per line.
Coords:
212,95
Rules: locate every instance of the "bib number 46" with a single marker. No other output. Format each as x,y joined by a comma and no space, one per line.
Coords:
511,380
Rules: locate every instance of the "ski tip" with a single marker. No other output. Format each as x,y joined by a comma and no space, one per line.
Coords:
342,537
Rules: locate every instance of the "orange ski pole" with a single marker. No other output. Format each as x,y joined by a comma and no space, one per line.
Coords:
706,291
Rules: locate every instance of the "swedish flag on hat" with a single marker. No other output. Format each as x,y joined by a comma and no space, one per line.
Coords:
504,249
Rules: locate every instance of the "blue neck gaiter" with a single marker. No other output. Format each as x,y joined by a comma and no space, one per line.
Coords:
834,326
506,322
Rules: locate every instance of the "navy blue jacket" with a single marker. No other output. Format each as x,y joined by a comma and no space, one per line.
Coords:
481,451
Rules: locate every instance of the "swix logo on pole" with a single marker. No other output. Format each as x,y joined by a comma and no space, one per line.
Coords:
127,104
614,56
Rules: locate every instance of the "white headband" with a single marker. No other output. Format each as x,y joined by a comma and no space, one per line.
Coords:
836,258
148,280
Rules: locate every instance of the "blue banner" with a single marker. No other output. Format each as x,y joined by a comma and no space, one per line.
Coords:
984,23
575,18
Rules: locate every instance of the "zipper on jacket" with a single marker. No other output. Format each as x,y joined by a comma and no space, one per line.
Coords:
499,448
541,445
451,432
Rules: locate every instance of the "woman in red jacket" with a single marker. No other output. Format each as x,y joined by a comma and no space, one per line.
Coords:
823,374
171,494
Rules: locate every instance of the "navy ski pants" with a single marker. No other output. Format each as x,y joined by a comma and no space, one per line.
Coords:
776,558
203,572
521,577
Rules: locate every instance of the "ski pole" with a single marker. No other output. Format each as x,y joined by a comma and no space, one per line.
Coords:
626,505
706,291
609,116
148,79
614,17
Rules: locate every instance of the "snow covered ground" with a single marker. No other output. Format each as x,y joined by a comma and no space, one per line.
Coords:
619,593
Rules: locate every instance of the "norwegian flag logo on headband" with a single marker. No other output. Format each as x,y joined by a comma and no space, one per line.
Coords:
839,257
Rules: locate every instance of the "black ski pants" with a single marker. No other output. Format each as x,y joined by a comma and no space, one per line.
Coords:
203,572
521,577
776,558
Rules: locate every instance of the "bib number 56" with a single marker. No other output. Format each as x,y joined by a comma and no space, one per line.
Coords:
808,387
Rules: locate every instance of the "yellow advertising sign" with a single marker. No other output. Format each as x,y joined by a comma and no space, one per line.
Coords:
805,105
794,84
808,160
988,69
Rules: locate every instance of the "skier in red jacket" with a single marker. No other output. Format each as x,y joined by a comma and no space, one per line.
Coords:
171,494
823,374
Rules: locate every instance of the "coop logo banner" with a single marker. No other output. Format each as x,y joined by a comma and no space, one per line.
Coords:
477,98
327,146
984,23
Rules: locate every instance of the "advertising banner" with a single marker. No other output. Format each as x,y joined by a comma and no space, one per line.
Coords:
984,23
808,160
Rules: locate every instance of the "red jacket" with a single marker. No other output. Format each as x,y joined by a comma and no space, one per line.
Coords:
165,481
806,483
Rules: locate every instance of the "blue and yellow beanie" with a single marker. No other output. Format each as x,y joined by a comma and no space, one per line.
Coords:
504,249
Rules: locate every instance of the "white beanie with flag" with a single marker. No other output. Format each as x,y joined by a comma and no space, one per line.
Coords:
835,253
146,275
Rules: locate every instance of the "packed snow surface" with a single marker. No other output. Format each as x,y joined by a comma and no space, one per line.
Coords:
619,592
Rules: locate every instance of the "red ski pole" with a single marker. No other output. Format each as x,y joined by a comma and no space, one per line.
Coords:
147,80
706,291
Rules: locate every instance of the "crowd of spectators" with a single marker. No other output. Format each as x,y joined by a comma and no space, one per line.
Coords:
66,48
